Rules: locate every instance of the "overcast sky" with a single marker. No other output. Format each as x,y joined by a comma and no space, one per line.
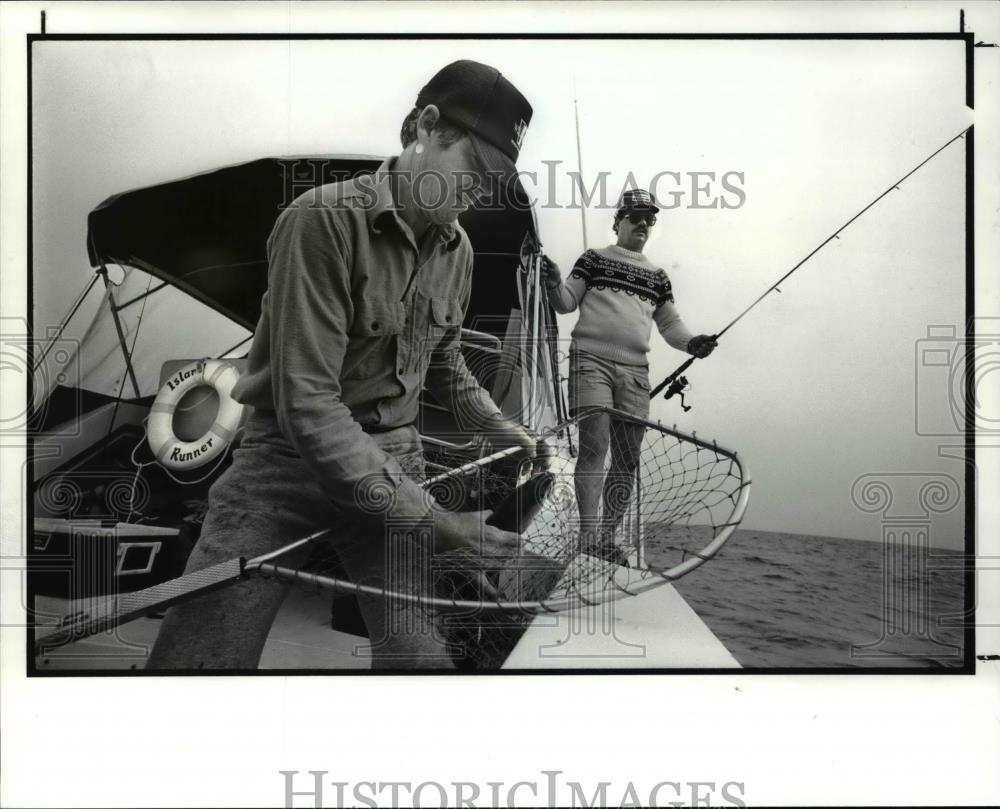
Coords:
815,388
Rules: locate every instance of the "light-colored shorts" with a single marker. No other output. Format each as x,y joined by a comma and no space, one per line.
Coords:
598,382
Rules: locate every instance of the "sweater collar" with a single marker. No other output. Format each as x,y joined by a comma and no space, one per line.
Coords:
632,254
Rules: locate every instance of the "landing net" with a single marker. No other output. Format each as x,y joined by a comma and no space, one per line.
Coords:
678,508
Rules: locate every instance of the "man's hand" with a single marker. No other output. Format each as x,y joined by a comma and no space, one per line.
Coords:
467,532
551,276
505,433
466,536
701,345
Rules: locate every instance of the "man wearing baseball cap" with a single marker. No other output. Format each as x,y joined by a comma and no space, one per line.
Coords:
620,293
479,100
368,283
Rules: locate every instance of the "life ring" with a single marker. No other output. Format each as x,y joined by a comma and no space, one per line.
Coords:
169,450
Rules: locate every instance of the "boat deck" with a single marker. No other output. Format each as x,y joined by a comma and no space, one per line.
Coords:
656,629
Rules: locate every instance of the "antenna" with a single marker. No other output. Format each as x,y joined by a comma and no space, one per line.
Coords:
579,166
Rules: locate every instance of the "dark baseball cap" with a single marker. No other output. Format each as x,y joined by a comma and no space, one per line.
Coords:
477,97
636,199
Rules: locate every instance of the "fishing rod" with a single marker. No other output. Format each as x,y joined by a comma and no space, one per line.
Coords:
676,383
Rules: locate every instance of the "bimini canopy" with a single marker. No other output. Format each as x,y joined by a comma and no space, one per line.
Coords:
206,234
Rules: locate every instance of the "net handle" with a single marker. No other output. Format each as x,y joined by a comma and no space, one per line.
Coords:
325,583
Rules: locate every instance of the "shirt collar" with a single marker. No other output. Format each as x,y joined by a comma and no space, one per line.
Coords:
383,209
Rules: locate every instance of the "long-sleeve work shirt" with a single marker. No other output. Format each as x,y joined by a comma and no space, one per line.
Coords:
356,318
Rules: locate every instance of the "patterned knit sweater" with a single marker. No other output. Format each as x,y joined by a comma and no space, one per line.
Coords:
620,294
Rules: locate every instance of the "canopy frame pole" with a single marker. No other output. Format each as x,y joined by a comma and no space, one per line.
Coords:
65,322
103,272
141,297
231,350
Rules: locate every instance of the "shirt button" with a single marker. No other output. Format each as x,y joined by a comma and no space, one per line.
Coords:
375,326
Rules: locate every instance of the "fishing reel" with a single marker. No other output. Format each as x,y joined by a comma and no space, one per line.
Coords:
678,386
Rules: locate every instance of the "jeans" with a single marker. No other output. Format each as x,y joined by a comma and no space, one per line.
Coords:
266,499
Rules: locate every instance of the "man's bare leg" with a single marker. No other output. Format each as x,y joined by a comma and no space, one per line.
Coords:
626,441
589,475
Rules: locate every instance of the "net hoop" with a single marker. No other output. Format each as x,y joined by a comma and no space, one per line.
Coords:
621,583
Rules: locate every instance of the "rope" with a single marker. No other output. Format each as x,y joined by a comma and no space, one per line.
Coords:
140,465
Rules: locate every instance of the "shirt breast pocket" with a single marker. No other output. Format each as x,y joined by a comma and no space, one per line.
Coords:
436,315
373,336
445,313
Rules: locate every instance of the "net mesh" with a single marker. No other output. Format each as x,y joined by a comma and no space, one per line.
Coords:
661,516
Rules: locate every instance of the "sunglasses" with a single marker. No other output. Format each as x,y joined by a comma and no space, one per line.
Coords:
638,218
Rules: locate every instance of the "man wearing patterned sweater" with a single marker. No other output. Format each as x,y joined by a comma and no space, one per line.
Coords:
620,294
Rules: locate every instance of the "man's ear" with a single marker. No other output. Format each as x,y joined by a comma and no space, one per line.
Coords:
427,120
